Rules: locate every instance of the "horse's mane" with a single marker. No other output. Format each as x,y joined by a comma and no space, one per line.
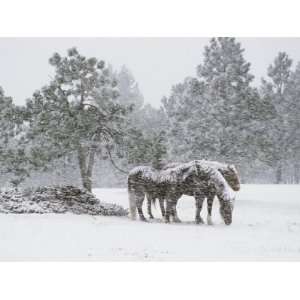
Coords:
146,172
173,174
176,172
211,163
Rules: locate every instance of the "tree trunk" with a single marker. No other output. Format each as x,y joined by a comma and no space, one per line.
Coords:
87,183
86,163
297,172
279,174
90,167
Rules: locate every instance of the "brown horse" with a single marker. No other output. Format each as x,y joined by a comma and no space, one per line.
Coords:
229,172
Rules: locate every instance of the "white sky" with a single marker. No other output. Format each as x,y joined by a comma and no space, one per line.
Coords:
156,63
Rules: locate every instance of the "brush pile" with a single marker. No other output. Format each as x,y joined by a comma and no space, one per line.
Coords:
56,199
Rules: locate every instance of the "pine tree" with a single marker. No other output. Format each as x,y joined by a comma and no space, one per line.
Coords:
293,123
217,115
159,150
191,124
146,142
129,92
12,155
9,118
277,131
76,114
234,103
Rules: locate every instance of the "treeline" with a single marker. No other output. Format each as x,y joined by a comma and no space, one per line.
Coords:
90,124
220,114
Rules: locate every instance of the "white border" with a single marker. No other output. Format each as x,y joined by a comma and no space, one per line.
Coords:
45,281
150,18
149,281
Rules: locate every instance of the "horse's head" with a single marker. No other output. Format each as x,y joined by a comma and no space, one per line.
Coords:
226,196
231,176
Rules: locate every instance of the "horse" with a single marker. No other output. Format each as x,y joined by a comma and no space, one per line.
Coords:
229,172
170,184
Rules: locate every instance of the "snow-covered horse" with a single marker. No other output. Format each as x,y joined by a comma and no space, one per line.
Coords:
229,172
170,184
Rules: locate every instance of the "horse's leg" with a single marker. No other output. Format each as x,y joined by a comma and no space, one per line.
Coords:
199,198
149,204
162,206
169,208
139,204
174,212
210,200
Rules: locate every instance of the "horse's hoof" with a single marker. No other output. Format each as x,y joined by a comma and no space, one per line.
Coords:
209,221
177,220
199,221
151,217
143,220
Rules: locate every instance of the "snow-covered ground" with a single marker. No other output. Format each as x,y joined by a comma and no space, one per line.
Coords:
266,226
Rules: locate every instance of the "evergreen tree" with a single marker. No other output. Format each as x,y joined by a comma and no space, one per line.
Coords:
76,114
6,126
146,142
277,91
234,103
191,124
217,115
12,156
129,92
159,150
294,123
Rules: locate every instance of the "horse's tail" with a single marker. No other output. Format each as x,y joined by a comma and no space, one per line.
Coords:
132,202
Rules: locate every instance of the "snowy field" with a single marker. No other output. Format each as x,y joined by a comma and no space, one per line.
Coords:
266,226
